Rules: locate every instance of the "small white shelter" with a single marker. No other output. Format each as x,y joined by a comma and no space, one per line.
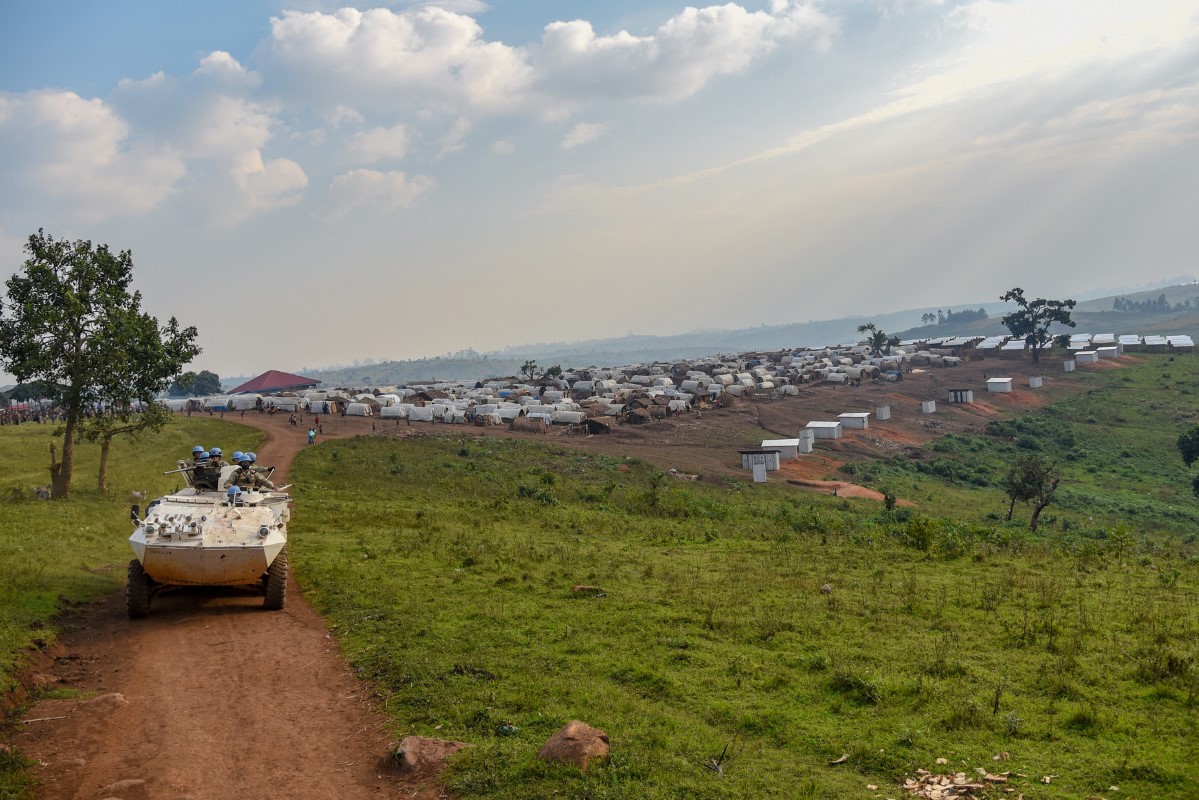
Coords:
788,448
882,412
999,384
824,430
1035,381
1068,366
768,458
928,406
1086,357
855,420
358,410
961,395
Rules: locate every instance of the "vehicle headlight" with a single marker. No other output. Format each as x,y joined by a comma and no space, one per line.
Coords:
264,531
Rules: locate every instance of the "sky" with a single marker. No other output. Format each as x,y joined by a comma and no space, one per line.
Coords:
310,183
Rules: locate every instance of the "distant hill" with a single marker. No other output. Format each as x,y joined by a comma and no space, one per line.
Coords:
1091,316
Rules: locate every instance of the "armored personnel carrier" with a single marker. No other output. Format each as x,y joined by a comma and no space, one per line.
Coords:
196,537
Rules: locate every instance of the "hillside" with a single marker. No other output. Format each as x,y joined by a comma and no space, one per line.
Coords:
1095,316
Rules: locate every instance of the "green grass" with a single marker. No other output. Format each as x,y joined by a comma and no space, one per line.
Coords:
55,553
446,567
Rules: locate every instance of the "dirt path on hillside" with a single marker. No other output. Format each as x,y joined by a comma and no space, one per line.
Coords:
210,698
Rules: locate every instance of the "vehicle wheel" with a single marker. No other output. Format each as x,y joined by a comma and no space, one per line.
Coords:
137,591
276,582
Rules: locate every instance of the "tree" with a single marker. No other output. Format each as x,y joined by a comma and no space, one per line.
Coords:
195,384
1031,479
529,370
70,320
928,318
1033,320
879,343
554,371
104,426
1188,446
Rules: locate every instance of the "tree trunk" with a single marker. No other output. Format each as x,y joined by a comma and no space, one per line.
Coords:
1045,500
102,483
60,487
1011,508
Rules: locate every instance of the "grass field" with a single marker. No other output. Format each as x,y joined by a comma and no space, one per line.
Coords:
447,568
56,553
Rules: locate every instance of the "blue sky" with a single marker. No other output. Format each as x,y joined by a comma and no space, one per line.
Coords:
311,182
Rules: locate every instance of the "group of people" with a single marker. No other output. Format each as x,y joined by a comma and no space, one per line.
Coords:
207,465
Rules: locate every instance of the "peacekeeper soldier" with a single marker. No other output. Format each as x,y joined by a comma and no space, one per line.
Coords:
265,471
246,479
214,459
205,477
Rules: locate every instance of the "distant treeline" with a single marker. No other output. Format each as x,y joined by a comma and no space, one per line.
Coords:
1158,305
954,317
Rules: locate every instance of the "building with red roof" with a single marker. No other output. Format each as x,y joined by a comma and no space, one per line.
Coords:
273,381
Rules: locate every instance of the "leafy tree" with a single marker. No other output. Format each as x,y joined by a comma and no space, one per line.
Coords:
554,371
71,320
1031,479
104,426
928,318
1033,320
529,370
1188,446
878,342
195,384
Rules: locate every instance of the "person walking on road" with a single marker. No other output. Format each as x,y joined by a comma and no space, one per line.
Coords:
311,436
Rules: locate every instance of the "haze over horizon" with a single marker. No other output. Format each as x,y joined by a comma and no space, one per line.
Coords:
310,182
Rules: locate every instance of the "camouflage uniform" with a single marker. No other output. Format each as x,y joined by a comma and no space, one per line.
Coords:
246,479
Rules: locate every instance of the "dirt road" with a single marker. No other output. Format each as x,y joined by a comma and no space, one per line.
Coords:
210,698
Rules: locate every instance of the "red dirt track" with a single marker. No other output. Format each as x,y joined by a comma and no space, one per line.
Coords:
210,698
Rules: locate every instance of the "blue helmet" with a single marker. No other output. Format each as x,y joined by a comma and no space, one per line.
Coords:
198,449
202,457
251,456
238,456
215,452
232,493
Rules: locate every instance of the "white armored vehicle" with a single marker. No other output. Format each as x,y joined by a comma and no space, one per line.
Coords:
197,537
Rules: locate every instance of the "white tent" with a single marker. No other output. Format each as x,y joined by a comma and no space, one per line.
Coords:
358,410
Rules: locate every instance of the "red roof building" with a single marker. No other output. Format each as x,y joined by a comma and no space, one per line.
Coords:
275,381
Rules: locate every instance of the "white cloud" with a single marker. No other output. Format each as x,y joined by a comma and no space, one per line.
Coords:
678,59
432,59
425,57
344,115
503,147
361,189
378,144
58,149
584,133
221,67
268,185
454,140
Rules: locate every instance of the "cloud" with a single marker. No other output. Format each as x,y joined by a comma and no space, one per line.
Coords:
221,67
503,147
454,140
678,59
266,185
378,144
584,133
59,150
361,189
429,58
424,57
